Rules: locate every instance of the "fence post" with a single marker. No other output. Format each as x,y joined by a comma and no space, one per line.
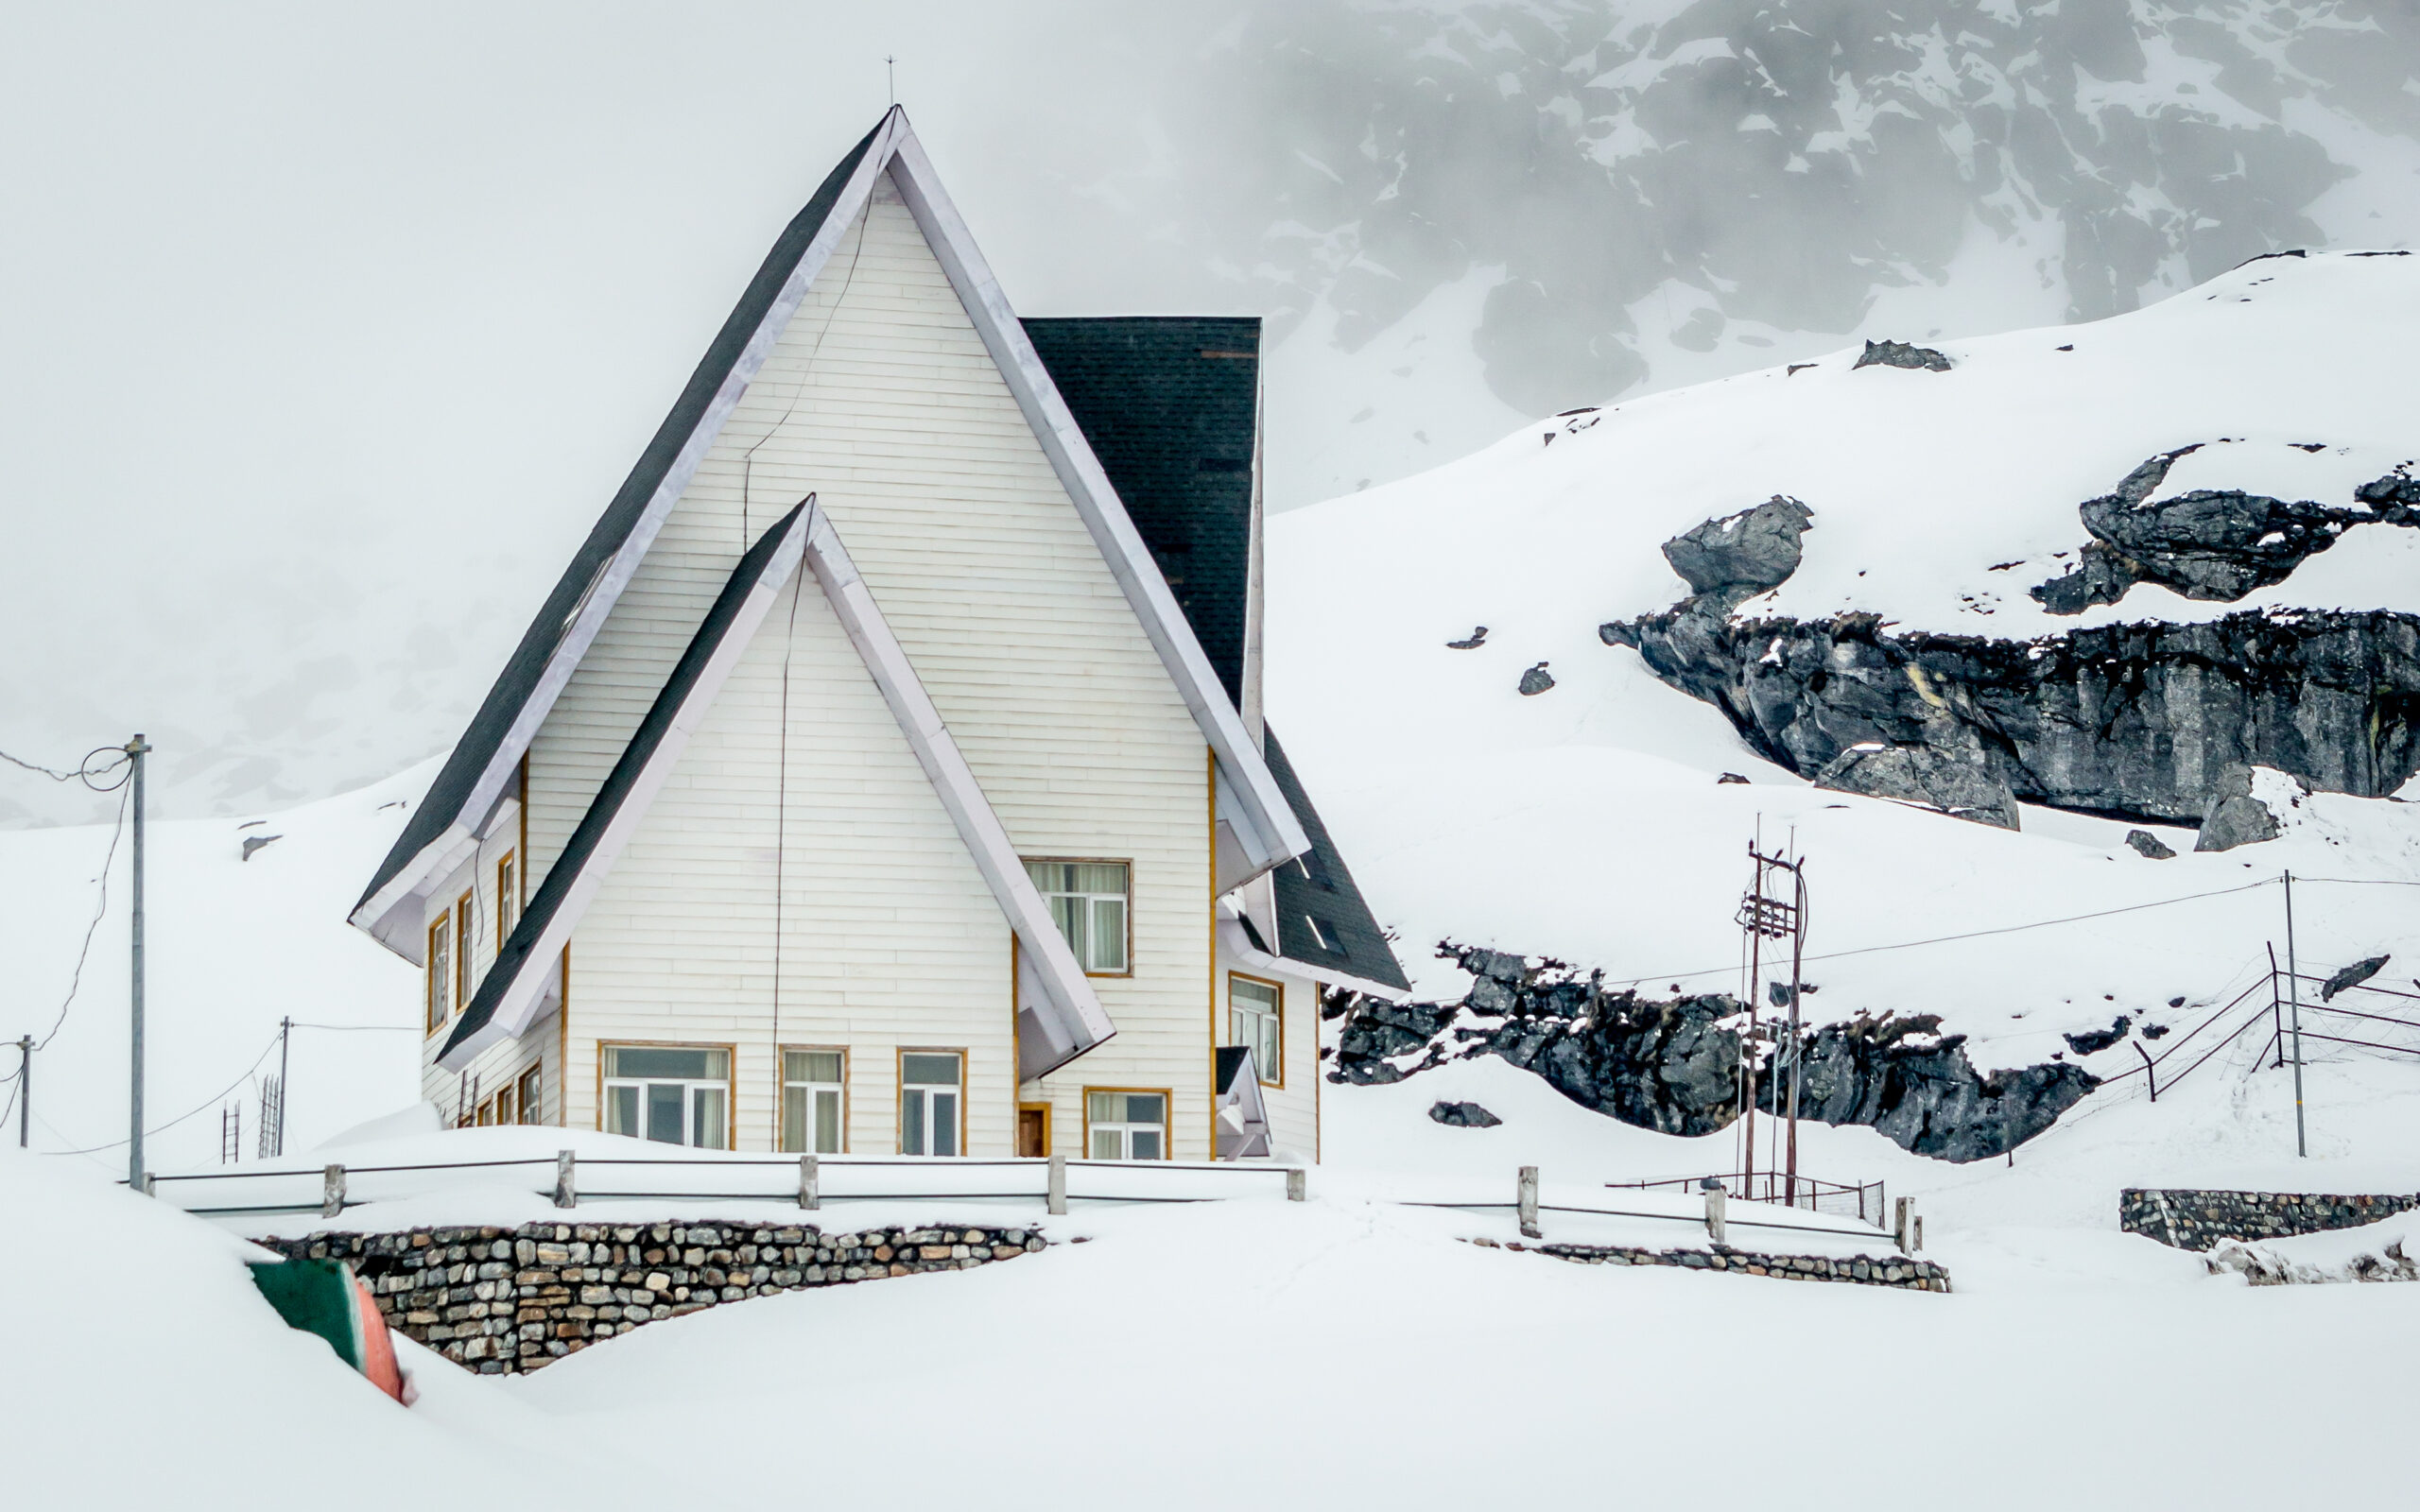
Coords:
1899,1232
566,1180
1919,1236
331,1192
1527,1202
1297,1184
1057,1199
1715,1199
810,1183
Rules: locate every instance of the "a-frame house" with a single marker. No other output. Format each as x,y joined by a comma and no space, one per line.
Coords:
871,781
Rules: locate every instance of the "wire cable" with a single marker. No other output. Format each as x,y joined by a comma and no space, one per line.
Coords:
100,909
806,370
212,1102
1974,934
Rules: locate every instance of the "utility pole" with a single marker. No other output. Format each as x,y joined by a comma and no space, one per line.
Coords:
2294,1005
136,750
24,1087
284,1032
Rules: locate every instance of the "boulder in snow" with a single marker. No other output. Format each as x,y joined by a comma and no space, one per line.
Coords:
1750,552
2144,843
1462,1115
2240,811
2353,975
1902,354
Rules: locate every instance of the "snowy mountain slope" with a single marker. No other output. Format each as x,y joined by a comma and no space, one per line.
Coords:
234,946
1586,821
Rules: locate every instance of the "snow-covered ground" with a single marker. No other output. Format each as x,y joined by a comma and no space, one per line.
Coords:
1353,1349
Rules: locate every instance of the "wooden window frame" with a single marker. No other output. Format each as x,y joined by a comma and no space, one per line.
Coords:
731,1080
436,1004
1043,1109
1095,861
508,885
1167,1117
899,1092
529,1092
783,1084
465,928
1267,1078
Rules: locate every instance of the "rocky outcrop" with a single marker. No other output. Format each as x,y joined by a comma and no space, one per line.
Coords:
2148,846
1675,1065
2237,815
2216,544
1963,781
1901,355
2133,721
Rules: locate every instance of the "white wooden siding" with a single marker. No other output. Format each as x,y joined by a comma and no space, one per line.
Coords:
881,397
500,1065
1293,1109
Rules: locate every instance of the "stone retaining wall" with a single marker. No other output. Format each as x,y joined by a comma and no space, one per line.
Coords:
1863,1270
506,1300
2199,1219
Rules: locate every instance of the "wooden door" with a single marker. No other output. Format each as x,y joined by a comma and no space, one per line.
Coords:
1033,1129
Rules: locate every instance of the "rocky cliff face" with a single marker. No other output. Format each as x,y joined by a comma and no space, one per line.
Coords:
1673,1066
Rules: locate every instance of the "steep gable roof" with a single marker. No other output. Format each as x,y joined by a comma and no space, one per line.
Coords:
1252,810
1058,1016
1321,918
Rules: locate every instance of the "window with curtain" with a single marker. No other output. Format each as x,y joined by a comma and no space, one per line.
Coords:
441,970
533,1086
811,1091
1126,1126
673,1094
1255,1020
1088,903
508,897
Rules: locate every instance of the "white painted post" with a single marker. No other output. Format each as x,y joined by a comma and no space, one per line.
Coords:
810,1182
1715,1199
1899,1232
331,1192
1297,1184
566,1180
1527,1195
1057,1198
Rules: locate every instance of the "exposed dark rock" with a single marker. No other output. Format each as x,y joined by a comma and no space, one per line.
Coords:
2132,721
254,842
2147,844
1536,680
1743,554
2214,544
1462,1115
1964,784
2093,1041
2353,975
1477,639
2156,1031
1730,777
1674,1066
2235,817
1900,355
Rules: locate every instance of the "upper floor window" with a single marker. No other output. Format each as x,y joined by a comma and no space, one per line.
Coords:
508,897
1088,901
1256,1019
440,990
465,909
531,1093
674,1094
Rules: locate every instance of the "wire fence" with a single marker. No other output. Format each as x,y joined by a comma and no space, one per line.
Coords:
1865,1201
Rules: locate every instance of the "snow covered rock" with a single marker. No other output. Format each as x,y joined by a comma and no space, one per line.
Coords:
2240,814
1962,783
1462,1115
1901,355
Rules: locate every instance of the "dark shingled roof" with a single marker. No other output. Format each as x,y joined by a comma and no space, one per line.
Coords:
1318,885
510,960
1171,406
513,686
1231,1059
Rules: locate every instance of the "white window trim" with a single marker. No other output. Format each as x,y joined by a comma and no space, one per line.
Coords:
1124,1128
689,1087
1270,1068
956,1091
840,1091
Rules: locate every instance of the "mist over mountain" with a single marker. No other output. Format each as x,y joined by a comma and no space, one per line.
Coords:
329,336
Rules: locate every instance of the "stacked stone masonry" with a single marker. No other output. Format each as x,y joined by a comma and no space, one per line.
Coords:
1861,1270
2199,1219
504,1302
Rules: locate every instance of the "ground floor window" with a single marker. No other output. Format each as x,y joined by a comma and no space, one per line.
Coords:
1255,1020
1126,1126
931,1101
673,1094
530,1095
811,1091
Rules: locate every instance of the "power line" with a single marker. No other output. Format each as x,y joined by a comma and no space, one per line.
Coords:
204,1107
100,908
86,771
1974,934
